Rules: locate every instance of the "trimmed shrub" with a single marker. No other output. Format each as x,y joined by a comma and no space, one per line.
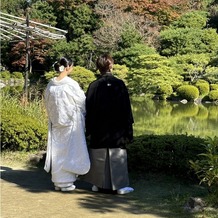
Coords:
213,87
213,95
203,88
22,128
49,75
83,76
22,133
188,92
164,153
5,75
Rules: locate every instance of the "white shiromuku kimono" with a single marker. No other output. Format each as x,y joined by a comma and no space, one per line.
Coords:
67,154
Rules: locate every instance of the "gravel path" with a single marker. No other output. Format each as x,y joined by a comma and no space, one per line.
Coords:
28,193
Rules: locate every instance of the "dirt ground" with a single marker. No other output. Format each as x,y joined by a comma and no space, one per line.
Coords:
29,193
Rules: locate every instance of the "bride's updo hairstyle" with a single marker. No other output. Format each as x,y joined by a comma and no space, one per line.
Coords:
60,65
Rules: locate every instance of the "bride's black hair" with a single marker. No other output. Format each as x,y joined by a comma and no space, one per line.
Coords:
62,62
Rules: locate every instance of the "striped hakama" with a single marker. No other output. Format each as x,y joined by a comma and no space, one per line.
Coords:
108,168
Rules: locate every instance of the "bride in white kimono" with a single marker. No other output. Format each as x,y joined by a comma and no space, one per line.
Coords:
67,154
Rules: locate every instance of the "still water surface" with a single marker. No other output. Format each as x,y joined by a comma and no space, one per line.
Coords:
161,117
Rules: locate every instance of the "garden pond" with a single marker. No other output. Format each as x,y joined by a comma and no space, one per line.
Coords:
164,117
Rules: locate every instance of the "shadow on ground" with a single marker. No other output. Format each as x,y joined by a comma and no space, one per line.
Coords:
143,201
37,181
33,180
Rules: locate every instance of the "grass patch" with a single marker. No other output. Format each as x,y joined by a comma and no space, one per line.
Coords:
16,159
166,196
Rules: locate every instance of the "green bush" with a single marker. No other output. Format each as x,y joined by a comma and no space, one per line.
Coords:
49,75
121,72
213,87
23,127
165,90
166,153
5,75
20,132
203,88
188,92
17,75
83,76
213,95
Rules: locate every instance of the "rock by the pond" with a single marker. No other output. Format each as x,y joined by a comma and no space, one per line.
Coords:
194,205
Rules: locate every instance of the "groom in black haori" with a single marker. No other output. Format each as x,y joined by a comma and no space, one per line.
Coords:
109,123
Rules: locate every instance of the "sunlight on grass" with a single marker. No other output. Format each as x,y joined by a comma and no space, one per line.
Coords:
15,158
166,196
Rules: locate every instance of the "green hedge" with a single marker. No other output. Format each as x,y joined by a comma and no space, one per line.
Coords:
7,75
167,153
23,127
22,133
203,88
213,95
188,92
83,76
13,90
213,87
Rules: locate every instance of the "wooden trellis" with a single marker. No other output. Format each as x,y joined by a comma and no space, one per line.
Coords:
14,28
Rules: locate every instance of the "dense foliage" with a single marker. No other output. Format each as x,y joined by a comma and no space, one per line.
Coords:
163,44
22,127
167,153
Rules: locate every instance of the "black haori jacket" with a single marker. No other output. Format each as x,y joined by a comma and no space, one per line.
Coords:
109,116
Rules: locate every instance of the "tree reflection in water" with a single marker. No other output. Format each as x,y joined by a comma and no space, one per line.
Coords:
162,117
